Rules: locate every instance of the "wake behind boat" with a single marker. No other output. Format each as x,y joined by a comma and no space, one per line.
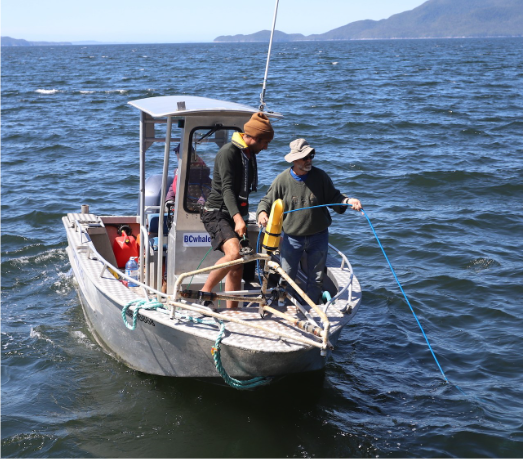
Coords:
271,334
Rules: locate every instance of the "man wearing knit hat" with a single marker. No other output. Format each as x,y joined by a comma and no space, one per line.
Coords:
227,207
305,232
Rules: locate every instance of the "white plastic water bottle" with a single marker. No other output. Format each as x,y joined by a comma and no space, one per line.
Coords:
131,269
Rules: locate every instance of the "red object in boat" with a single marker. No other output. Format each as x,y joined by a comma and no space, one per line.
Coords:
124,247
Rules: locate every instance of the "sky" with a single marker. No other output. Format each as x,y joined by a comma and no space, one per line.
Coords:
176,21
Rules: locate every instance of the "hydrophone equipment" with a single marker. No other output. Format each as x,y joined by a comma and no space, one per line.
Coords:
271,240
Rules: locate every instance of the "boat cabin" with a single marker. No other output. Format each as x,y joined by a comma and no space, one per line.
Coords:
192,130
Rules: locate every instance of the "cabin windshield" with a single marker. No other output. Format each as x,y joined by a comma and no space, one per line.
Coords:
205,143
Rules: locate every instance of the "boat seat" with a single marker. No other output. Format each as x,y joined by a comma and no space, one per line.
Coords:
153,220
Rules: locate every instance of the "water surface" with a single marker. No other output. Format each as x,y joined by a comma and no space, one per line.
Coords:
427,133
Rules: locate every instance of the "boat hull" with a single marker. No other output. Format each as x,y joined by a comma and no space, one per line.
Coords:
179,347
157,348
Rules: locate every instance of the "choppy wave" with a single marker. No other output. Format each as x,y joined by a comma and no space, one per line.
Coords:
47,91
38,335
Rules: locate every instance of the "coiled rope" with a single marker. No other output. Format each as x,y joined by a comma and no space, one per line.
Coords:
233,382
150,305
139,304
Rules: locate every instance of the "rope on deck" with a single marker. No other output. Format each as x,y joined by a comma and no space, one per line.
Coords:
139,304
233,382
148,305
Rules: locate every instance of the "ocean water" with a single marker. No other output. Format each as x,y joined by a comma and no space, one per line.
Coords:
426,133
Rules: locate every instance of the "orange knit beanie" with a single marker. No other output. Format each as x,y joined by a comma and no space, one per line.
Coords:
259,126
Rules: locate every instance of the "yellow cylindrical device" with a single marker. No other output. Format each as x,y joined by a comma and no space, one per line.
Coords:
271,240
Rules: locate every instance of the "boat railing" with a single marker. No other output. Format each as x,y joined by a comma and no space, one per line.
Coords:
345,266
322,345
92,253
145,257
314,328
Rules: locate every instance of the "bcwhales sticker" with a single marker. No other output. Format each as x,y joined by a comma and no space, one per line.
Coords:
196,240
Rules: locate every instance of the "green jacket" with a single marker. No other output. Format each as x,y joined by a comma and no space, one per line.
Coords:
227,181
317,189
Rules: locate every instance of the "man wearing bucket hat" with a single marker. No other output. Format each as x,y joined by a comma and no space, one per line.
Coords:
227,208
305,232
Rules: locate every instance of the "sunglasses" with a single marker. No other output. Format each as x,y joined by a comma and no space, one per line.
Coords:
309,156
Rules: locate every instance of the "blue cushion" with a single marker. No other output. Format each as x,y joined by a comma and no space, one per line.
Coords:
154,244
153,223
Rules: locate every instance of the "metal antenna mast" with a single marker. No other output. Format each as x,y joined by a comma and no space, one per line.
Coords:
262,95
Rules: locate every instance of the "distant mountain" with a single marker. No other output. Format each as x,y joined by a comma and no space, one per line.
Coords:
432,19
263,36
8,41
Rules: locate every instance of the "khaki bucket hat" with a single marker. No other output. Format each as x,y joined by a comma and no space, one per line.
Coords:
300,148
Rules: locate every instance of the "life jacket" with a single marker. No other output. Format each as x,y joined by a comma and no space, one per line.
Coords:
246,185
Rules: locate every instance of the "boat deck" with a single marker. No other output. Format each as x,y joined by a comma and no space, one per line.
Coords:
244,334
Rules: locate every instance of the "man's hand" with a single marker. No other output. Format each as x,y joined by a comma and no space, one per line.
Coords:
356,204
239,225
263,219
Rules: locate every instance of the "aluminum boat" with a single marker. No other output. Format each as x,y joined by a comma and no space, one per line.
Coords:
158,324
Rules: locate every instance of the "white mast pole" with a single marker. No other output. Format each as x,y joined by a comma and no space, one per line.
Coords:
262,95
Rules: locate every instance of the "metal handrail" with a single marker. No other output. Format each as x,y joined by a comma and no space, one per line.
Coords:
344,260
145,236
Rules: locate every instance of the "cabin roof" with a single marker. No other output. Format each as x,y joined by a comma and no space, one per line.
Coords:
193,106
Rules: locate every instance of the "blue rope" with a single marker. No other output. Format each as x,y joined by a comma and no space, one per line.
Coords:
321,205
398,282
396,277
405,296
233,382
258,251
204,257
412,310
